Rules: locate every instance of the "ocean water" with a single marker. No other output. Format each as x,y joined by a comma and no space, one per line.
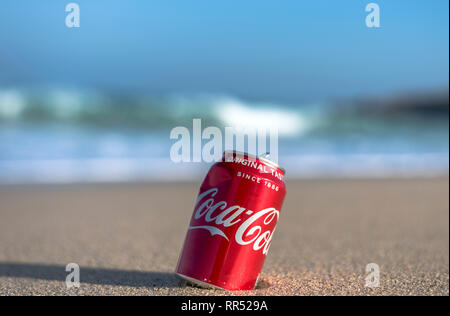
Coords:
72,135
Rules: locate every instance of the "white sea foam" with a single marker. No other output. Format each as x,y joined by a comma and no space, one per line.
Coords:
12,103
239,114
162,169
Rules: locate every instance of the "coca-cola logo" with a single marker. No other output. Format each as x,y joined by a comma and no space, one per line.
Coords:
219,215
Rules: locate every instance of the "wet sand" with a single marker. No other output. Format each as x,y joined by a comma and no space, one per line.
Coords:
126,238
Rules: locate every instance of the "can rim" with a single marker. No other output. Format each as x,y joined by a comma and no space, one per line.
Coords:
265,160
200,283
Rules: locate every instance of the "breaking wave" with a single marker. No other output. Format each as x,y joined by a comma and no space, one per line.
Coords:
151,113
73,135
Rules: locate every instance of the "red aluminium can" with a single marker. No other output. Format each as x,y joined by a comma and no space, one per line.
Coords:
234,219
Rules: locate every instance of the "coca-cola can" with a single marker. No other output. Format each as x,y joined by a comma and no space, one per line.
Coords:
234,219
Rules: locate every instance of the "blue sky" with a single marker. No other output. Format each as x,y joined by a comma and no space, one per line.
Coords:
292,51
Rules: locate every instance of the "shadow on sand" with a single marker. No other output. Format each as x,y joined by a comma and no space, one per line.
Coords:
92,275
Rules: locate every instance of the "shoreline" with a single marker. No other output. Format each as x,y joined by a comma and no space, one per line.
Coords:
171,182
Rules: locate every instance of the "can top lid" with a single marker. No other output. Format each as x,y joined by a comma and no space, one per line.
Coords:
263,157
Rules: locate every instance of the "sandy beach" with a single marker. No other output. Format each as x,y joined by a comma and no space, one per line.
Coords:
126,238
